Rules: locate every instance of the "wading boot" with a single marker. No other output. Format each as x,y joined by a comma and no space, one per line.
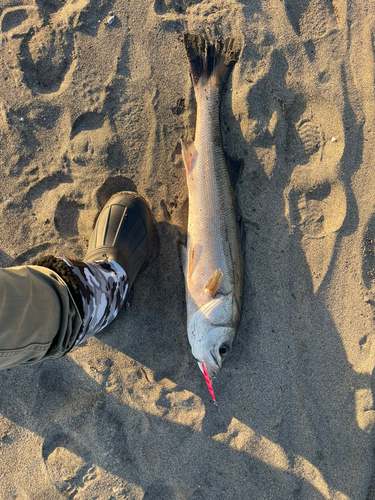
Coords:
122,233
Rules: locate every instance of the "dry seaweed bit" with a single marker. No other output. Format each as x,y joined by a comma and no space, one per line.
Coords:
208,382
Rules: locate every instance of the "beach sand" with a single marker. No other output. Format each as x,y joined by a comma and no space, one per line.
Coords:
89,108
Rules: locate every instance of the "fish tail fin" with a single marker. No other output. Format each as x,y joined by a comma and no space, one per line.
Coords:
211,60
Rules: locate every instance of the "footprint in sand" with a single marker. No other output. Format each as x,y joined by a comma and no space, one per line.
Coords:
93,142
13,18
16,22
311,136
75,479
47,58
66,217
83,469
311,20
315,199
44,185
48,7
47,53
25,125
179,6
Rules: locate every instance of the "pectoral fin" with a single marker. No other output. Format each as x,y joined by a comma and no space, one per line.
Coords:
191,262
214,284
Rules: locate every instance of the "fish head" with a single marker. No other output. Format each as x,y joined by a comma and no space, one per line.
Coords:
211,334
215,349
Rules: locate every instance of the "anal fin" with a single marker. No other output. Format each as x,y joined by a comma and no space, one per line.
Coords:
214,284
189,155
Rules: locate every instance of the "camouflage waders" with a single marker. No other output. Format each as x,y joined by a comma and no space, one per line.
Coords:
103,286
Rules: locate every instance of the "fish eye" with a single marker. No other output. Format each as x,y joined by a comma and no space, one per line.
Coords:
224,350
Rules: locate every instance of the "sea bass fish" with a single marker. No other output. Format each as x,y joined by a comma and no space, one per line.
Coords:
212,261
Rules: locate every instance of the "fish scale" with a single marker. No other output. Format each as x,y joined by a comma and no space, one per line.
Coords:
212,223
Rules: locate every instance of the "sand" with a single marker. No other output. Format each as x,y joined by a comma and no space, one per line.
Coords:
88,108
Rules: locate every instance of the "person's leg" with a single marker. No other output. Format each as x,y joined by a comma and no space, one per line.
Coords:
38,317
103,285
95,289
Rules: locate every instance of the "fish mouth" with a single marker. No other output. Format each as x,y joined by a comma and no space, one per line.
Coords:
217,362
211,364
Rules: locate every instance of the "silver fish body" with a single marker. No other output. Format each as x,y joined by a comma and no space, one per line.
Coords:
212,261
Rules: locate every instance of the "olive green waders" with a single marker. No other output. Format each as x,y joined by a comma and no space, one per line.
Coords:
38,317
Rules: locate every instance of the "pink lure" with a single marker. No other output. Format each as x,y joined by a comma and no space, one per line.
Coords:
208,382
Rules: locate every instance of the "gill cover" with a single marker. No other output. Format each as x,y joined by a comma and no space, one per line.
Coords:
211,332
